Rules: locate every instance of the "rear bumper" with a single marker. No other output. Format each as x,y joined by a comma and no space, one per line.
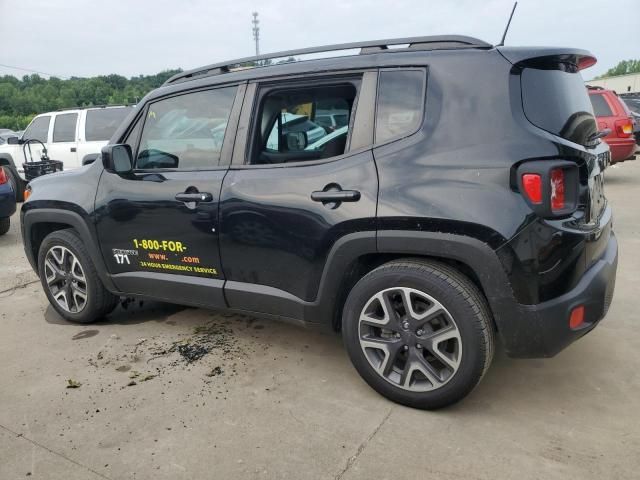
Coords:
622,149
543,330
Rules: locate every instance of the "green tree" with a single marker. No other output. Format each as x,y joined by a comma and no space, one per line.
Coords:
623,68
21,99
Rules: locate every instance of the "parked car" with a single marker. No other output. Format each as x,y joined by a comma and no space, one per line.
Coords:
633,103
612,114
7,201
74,137
341,132
420,245
332,120
5,134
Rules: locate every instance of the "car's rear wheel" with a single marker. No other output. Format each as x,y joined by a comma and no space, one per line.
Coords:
5,224
419,333
70,280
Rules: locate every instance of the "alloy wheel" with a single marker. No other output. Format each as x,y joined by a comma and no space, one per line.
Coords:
410,339
65,279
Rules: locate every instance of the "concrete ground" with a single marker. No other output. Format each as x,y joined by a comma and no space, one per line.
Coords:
276,401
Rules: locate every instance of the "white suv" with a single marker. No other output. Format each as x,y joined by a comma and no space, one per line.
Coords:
74,137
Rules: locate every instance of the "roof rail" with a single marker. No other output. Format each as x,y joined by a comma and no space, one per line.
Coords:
594,87
95,106
435,42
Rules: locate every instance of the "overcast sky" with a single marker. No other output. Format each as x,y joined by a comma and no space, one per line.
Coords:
131,37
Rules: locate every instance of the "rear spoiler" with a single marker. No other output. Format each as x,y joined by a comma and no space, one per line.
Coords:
523,56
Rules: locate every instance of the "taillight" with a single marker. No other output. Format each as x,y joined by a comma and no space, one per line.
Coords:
557,189
3,176
550,187
532,183
624,128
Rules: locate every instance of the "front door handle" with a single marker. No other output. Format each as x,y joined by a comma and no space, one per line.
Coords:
325,196
194,197
73,149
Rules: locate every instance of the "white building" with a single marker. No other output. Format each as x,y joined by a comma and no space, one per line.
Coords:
620,84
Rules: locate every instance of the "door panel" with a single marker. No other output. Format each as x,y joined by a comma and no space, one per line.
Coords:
279,222
273,234
143,228
158,225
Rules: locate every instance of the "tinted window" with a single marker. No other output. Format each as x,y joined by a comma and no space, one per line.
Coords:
102,123
557,101
64,128
633,104
600,105
185,131
296,125
38,129
400,100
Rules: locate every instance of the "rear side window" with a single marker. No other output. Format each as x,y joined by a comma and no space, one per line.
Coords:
400,103
38,129
101,124
64,128
600,106
557,101
295,125
186,131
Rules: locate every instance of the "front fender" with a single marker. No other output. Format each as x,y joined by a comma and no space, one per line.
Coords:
29,218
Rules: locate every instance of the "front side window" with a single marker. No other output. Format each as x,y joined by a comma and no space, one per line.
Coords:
64,127
400,103
185,131
101,124
297,125
38,129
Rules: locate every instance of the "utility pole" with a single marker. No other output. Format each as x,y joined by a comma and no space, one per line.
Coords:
256,31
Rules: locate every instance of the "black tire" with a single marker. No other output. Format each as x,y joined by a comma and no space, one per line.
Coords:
463,303
16,183
5,224
99,301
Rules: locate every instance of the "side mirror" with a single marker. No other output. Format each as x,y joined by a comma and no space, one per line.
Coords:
117,158
296,141
13,141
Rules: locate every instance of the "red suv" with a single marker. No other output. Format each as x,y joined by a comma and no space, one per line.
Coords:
612,114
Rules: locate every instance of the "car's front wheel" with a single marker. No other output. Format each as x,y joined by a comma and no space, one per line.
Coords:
418,332
70,280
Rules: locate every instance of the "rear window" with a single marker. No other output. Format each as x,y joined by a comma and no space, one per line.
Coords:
557,101
600,106
102,123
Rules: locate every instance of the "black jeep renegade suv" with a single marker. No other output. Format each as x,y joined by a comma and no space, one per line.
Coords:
462,201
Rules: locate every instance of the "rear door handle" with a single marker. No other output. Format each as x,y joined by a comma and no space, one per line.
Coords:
194,197
335,196
73,149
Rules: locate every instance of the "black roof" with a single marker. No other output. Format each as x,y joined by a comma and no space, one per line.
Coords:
436,42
